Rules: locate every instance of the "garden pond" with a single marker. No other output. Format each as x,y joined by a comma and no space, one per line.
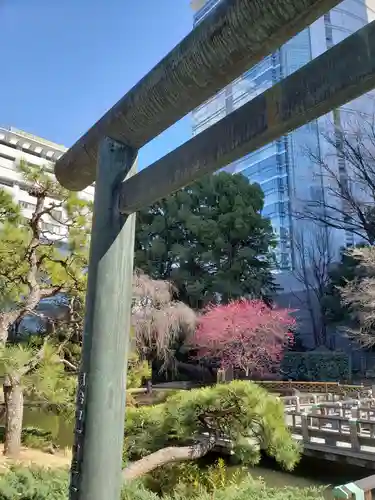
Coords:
310,472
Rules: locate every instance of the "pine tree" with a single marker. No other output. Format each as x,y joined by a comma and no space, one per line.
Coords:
38,268
190,424
210,239
43,282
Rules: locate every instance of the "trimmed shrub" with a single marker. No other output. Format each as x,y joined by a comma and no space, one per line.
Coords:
245,413
41,484
317,366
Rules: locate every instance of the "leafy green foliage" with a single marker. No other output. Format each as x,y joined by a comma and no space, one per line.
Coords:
25,246
33,437
44,377
209,239
9,212
144,431
189,477
137,371
34,484
316,366
42,294
37,439
241,411
42,288
42,484
255,489
35,266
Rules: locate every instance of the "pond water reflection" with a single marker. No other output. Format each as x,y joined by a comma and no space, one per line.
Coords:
310,472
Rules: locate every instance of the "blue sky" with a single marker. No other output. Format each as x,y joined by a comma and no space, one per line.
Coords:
65,62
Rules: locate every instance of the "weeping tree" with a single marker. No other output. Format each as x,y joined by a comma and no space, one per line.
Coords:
159,321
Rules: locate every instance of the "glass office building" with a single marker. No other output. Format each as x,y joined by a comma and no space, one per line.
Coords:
283,169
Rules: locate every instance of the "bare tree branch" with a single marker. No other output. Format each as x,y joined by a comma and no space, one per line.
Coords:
347,177
314,260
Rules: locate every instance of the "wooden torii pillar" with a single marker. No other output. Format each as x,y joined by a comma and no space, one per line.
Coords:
234,37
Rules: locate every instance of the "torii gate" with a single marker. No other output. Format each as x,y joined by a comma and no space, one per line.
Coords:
234,37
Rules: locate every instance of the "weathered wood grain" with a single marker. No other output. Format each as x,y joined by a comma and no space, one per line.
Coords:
339,75
235,36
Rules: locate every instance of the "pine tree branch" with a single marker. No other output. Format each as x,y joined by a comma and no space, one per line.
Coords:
35,361
31,279
69,364
52,292
171,454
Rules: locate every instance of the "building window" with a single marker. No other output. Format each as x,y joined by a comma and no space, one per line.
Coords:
51,228
27,205
316,194
328,29
57,215
205,10
7,157
5,182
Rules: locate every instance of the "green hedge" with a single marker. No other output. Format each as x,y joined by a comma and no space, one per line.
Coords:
43,484
317,366
39,484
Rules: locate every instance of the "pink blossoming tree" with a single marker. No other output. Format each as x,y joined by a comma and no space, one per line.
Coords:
246,334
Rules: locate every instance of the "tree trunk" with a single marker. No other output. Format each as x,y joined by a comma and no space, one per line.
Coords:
166,456
13,398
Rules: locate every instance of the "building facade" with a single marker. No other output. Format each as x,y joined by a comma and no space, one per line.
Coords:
286,174
17,146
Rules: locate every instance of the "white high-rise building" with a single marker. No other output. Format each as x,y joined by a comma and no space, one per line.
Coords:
282,168
16,146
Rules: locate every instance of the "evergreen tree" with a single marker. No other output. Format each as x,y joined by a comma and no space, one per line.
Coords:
35,269
210,240
42,291
190,424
